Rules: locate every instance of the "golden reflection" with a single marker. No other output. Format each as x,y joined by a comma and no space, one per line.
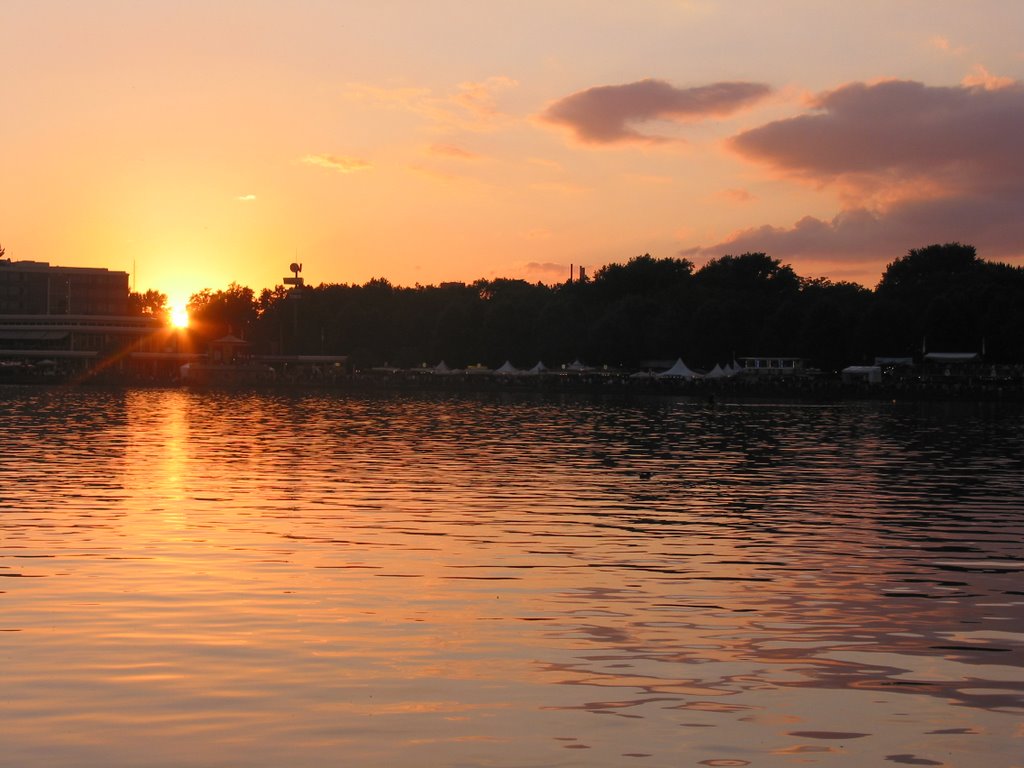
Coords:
158,454
414,582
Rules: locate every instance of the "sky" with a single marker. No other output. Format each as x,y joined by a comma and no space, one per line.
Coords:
197,143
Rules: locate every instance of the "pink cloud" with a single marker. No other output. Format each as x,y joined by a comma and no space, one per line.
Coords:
982,77
859,234
896,127
943,44
917,164
606,114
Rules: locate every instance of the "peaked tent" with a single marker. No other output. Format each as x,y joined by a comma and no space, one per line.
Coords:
678,371
442,367
507,369
718,372
538,369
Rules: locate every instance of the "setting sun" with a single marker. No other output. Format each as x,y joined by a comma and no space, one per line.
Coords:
179,317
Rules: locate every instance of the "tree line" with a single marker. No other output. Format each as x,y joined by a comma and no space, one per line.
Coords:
942,297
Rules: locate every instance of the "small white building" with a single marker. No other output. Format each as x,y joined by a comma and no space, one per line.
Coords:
872,374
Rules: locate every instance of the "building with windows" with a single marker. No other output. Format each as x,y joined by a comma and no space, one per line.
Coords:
75,320
772,366
36,288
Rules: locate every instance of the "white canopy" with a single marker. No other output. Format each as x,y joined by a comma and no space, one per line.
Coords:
678,371
442,367
538,368
507,369
718,372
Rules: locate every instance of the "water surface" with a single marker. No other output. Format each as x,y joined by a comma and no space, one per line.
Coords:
192,579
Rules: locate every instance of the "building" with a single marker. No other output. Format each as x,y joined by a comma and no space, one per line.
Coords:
74,321
772,366
36,288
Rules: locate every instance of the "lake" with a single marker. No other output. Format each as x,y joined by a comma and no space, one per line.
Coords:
217,579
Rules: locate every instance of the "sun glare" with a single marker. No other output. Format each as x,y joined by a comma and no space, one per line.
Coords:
179,317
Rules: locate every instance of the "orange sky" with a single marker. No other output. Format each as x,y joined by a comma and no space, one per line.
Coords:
207,142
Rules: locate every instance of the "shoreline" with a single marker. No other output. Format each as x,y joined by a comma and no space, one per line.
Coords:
798,390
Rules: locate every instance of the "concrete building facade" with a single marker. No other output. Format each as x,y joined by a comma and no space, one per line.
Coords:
36,288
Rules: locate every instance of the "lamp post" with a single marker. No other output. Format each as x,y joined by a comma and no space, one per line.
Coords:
295,292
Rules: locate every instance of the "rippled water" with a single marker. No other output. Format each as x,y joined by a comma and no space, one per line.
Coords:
193,579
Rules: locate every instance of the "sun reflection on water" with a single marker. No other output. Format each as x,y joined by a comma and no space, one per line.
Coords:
264,580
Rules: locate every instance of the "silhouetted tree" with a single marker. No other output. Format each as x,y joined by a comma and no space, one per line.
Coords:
929,270
646,308
947,297
151,303
217,313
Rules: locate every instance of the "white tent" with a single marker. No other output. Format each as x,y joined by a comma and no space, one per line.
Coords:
442,367
678,371
576,366
507,369
538,369
718,372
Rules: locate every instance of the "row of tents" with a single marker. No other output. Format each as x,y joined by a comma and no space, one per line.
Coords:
678,371
681,371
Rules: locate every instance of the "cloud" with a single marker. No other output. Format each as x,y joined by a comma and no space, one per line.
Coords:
858,235
982,77
869,133
943,44
870,239
473,105
480,98
915,164
246,198
337,163
606,114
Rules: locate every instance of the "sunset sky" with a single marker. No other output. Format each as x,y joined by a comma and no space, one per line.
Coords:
209,141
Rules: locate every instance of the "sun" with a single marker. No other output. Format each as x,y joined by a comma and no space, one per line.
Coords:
179,316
